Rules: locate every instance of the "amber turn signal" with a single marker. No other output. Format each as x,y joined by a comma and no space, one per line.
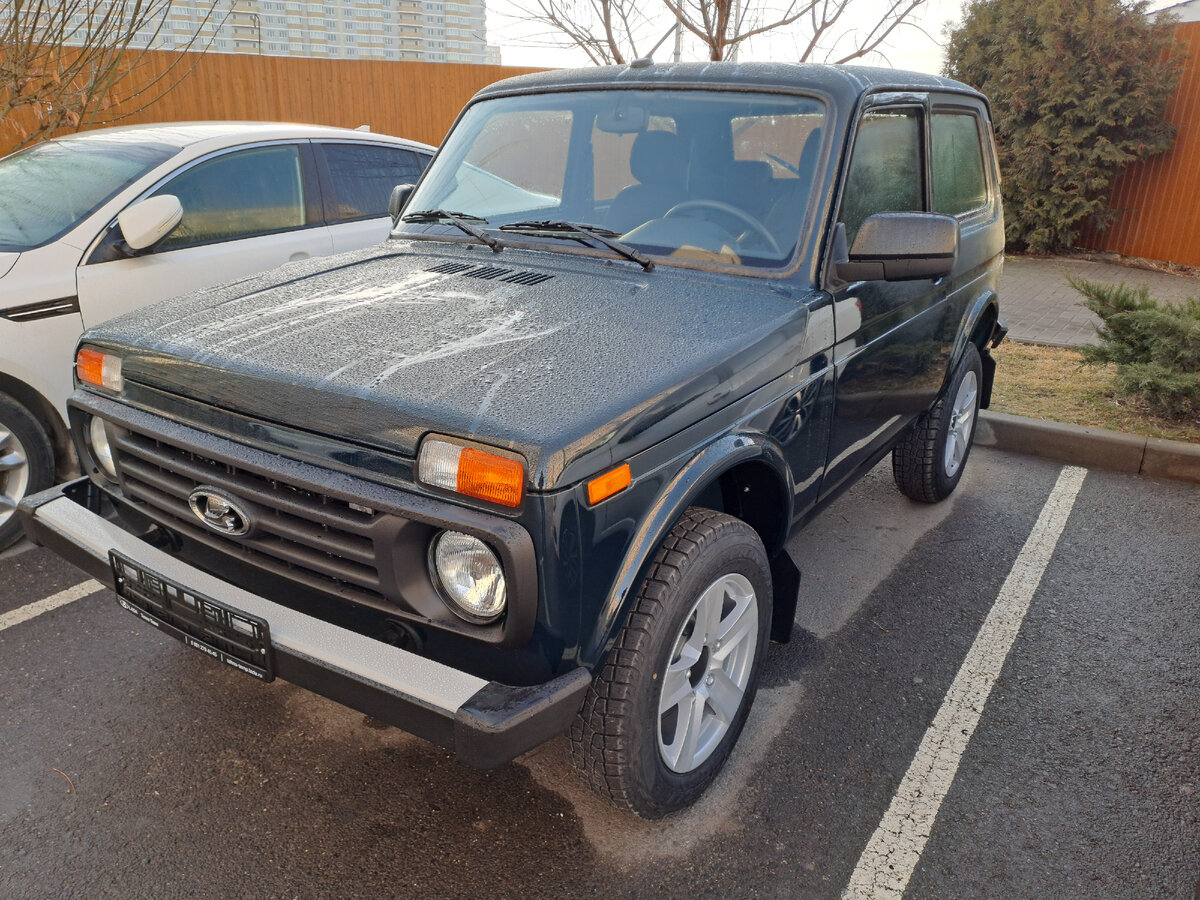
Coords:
98,369
474,473
609,483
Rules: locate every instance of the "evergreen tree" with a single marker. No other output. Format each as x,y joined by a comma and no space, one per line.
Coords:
1079,89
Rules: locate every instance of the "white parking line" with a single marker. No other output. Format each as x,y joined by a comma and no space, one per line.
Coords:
62,598
895,848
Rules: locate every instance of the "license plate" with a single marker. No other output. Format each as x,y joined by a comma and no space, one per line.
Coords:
228,635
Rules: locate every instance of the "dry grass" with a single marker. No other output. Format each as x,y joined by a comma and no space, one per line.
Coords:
1052,383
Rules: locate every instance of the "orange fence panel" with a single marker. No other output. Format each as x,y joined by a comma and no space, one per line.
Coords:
415,100
1158,200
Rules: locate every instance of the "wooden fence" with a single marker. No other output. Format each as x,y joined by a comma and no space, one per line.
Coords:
1158,200
415,100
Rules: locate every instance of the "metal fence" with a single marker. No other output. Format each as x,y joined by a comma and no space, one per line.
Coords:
1158,200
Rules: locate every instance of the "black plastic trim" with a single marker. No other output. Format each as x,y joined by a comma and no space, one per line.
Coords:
45,309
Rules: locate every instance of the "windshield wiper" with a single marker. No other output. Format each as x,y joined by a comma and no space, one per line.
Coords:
461,220
556,228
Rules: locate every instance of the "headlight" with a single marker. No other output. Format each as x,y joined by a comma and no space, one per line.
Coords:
469,575
101,448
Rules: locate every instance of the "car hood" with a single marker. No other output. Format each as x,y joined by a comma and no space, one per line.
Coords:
560,358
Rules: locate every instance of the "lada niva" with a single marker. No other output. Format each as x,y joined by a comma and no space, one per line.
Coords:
530,467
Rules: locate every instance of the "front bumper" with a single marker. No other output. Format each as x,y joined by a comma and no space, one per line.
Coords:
485,723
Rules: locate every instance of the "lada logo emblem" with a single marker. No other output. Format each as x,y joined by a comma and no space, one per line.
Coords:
219,511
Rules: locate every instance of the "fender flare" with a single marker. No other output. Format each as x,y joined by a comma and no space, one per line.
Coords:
688,483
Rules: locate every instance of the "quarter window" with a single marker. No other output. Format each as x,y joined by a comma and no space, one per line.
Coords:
959,185
364,175
885,170
238,195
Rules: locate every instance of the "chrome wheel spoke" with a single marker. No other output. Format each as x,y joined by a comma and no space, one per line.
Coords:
7,505
724,696
690,741
12,460
675,690
961,425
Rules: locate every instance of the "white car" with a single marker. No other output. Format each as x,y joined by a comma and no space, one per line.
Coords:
97,224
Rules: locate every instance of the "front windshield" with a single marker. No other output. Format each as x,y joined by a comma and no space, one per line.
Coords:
48,189
722,177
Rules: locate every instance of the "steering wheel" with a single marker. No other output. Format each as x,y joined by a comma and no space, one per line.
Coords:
756,226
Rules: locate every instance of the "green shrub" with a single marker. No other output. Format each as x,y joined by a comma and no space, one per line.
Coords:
1079,90
1155,347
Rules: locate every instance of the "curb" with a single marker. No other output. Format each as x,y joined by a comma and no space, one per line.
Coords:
1094,448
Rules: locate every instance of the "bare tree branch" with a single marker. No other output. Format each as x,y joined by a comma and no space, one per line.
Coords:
63,64
606,30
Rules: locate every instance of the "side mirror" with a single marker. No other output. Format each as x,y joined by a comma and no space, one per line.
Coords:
149,221
902,246
399,199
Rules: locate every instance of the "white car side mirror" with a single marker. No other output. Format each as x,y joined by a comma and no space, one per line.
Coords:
149,221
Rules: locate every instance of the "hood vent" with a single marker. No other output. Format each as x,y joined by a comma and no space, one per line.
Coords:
450,268
491,273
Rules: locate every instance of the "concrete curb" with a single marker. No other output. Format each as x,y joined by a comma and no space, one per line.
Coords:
1095,448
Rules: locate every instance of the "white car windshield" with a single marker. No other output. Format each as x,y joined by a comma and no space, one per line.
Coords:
712,176
47,190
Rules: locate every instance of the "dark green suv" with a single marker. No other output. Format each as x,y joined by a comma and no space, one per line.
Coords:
529,468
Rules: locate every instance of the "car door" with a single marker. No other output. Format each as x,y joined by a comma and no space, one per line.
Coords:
893,339
357,182
244,211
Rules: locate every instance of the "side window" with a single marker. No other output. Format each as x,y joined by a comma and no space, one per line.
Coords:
885,170
959,184
238,195
363,176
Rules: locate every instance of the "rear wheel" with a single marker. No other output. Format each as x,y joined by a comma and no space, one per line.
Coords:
26,463
665,711
929,461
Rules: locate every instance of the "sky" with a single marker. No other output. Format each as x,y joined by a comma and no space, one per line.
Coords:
917,47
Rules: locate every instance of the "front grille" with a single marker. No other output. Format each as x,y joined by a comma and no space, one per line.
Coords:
317,540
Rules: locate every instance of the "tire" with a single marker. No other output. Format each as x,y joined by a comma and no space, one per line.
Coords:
929,460
629,749
26,464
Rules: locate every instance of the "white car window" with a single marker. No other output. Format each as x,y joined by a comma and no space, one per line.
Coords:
363,176
241,194
47,190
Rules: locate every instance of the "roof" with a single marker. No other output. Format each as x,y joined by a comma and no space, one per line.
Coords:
838,81
184,134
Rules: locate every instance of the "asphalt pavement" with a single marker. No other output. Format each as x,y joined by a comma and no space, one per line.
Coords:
133,766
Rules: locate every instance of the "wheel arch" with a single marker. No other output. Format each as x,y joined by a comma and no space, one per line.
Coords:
47,416
979,325
744,475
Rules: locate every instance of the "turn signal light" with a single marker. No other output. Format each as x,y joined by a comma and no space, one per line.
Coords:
609,483
98,369
471,472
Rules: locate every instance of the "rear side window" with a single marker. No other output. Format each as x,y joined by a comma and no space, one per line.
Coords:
363,176
959,185
885,170
238,195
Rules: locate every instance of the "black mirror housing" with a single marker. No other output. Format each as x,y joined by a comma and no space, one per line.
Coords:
398,200
902,246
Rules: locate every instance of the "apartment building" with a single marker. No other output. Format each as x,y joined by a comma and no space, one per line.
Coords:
428,30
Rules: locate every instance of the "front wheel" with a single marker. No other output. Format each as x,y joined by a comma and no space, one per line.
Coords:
665,711
929,460
26,463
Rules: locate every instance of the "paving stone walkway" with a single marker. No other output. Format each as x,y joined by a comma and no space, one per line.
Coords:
1041,307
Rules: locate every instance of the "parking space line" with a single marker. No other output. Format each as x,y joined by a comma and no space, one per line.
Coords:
54,601
892,854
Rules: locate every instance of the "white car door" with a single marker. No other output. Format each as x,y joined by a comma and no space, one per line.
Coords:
244,211
358,180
